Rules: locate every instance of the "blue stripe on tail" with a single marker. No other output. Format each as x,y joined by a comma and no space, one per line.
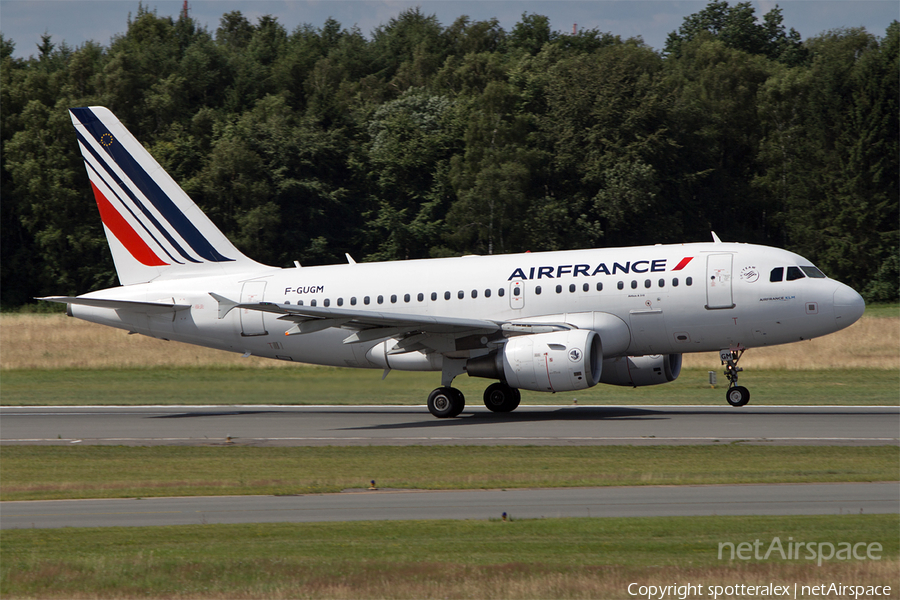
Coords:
150,189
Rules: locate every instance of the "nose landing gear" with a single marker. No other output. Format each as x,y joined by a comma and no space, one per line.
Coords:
736,395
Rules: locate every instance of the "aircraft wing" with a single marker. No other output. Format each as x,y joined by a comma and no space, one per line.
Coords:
415,332
149,308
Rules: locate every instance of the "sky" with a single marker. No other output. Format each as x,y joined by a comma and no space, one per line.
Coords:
77,21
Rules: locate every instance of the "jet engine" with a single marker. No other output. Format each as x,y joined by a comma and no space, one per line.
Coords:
641,370
559,361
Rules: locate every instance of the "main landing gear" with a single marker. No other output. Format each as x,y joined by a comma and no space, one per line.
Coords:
500,397
446,402
736,395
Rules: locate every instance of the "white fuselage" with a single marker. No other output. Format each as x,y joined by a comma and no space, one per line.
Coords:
643,300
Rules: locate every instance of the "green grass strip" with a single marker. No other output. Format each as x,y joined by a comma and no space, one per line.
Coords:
52,472
328,385
406,559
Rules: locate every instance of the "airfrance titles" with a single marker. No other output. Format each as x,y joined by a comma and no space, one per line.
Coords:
639,266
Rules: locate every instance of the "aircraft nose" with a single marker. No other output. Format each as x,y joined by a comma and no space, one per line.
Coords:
848,306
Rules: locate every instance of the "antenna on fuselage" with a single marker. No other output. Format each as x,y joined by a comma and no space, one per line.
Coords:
715,238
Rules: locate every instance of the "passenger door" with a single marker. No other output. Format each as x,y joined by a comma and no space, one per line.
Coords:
718,281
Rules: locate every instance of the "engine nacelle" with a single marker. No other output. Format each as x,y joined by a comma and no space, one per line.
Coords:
559,361
641,370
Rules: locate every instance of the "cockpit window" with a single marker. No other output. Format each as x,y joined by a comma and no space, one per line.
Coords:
813,272
777,274
794,273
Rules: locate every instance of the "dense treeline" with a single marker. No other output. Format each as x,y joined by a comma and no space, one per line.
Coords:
430,140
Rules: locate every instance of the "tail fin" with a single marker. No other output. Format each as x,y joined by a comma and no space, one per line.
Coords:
153,228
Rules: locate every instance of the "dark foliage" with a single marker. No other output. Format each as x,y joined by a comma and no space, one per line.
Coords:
432,140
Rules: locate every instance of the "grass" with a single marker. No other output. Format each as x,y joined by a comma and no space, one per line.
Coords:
52,359
546,558
331,385
54,341
57,472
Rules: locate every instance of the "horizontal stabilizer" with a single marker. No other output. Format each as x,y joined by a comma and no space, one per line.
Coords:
150,308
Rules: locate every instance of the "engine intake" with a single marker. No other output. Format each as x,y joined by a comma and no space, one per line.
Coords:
560,361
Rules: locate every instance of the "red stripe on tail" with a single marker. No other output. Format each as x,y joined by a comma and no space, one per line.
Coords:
125,233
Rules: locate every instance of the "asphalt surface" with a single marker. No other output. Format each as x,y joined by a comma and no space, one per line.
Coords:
783,499
408,425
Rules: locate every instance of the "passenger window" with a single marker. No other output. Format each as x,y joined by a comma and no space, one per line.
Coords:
380,299
634,284
420,297
299,302
776,275
366,300
340,301
406,298
647,283
689,281
675,282
559,289
662,283
501,292
474,293
794,273
353,301
516,291
433,296
571,287
312,303
327,302
487,293
599,287
621,285
537,290
446,295
393,298
586,287
460,294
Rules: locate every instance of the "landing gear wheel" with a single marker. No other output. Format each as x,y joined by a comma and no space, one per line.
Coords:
446,402
738,395
500,397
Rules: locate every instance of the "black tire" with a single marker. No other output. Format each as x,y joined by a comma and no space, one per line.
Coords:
446,402
501,398
737,396
459,402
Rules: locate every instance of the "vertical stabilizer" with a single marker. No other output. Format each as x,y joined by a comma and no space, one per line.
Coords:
153,228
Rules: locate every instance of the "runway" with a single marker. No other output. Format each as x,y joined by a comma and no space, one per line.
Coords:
643,501
408,425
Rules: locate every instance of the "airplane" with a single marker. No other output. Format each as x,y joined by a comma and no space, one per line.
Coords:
544,321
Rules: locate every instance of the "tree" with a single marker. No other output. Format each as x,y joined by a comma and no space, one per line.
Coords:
736,27
832,150
411,141
715,123
531,33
